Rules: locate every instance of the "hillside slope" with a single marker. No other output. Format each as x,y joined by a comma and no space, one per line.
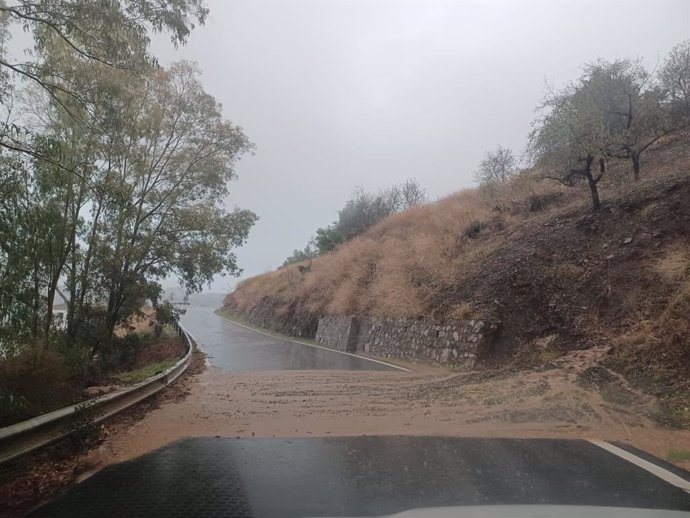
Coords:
557,279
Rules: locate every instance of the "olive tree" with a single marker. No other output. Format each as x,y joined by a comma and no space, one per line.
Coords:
568,140
628,104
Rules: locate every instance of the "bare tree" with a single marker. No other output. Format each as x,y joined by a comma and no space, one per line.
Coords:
497,167
402,196
412,193
674,78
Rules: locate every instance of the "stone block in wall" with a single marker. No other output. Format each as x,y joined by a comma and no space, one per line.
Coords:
339,332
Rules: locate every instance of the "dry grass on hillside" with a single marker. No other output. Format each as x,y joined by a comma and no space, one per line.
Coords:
399,266
452,258
672,323
395,268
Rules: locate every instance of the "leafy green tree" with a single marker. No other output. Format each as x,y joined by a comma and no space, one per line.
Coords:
16,236
297,256
114,208
171,155
327,238
114,33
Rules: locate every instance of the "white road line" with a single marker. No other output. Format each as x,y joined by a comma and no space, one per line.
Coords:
658,471
317,346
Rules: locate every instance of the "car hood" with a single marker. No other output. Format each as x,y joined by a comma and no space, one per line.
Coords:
537,511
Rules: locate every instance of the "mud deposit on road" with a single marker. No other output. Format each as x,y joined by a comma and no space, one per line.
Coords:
550,403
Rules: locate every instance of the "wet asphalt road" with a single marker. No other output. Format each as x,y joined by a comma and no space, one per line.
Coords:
361,476
237,349
348,476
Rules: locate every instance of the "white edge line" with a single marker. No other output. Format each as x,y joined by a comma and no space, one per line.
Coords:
317,346
658,471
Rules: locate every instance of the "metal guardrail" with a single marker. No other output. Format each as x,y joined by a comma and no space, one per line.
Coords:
21,438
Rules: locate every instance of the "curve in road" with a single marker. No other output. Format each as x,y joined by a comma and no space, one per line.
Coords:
235,348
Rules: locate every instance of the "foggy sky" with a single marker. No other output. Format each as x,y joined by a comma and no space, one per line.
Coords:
340,93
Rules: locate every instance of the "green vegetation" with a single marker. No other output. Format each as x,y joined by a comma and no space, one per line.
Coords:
112,178
143,373
614,111
360,213
678,455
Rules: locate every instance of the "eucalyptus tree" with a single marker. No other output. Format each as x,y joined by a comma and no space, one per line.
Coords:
115,33
123,170
169,155
112,208
15,236
40,212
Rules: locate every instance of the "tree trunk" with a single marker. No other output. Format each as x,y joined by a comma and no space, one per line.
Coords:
82,290
635,158
52,288
115,301
36,300
596,203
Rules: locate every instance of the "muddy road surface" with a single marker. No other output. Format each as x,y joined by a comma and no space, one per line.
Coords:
266,400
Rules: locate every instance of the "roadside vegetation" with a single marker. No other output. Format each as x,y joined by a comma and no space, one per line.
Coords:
361,212
584,245
678,455
143,373
113,170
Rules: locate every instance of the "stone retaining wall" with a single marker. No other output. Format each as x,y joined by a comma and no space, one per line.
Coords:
456,344
338,332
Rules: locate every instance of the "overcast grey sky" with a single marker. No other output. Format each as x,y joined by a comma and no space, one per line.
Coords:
340,93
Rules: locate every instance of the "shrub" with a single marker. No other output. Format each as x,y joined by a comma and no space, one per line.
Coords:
31,383
539,202
474,228
117,351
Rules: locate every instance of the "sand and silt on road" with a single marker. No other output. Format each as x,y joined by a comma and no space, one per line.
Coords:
273,428
258,386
